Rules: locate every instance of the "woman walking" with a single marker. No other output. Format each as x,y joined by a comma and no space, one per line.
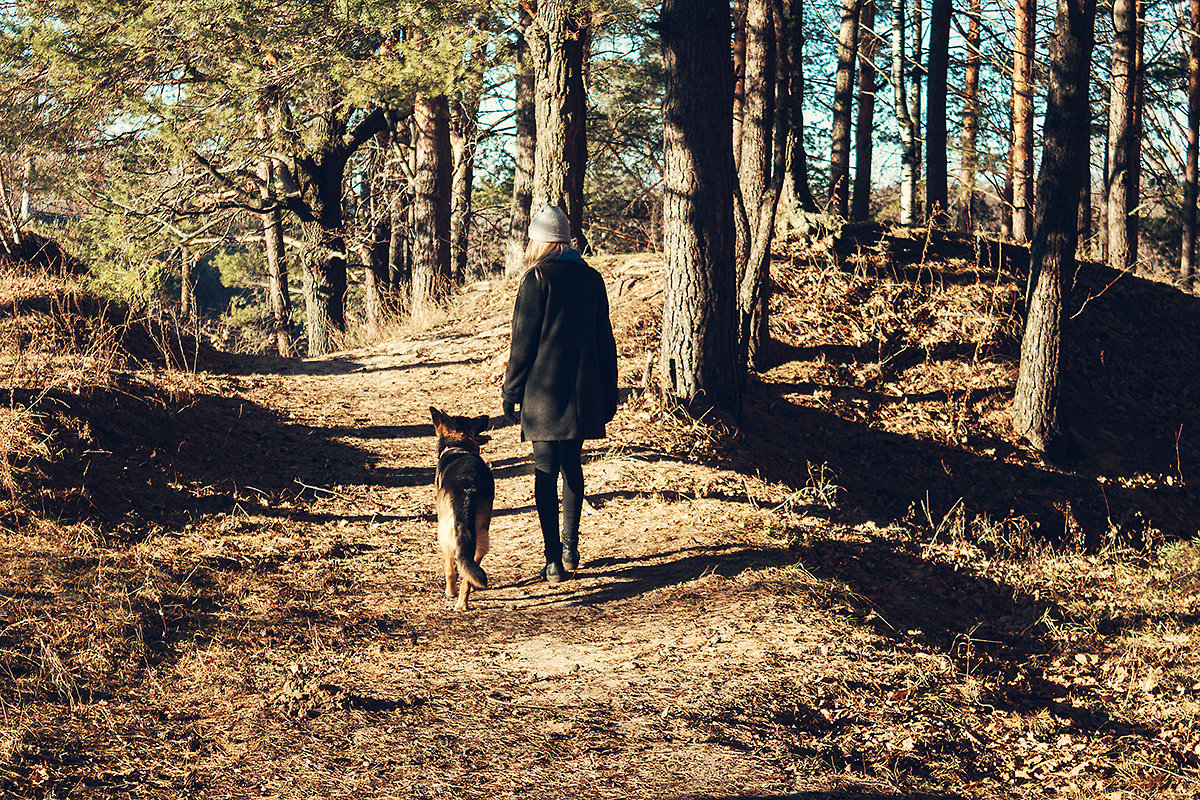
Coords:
561,383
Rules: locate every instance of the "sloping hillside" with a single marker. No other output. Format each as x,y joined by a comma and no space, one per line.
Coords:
222,582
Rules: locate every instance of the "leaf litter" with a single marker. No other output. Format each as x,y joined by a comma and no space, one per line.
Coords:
223,582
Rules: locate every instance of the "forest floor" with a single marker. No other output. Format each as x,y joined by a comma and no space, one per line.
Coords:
223,581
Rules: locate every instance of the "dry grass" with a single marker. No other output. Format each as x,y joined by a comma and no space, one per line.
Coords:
859,589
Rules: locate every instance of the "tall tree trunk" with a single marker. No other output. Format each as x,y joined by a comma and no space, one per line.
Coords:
797,152
699,333
464,135
558,44
1138,89
937,168
317,179
970,124
739,78
462,148
323,261
916,107
1120,133
377,243
864,126
1036,413
278,297
1022,148
1085,207
523,154
376,286
431,205
754,171
904,122
1191,178
764,149
843,103
400,249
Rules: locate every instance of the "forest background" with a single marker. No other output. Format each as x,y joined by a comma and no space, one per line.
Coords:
215,160
900,497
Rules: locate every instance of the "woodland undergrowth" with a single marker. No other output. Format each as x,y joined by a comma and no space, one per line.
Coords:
875,447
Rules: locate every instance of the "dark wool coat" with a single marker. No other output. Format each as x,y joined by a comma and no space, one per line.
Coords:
562,365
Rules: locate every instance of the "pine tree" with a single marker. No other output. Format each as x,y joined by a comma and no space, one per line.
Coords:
558,37
1022,120
1036,412
1187,268
843,102
192,75
937,191
699,336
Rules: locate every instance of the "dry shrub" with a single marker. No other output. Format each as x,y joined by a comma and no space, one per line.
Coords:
22,444
55,332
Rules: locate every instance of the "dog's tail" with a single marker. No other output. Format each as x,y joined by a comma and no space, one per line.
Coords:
464,534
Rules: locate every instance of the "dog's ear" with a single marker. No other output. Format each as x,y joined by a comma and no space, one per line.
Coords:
439,419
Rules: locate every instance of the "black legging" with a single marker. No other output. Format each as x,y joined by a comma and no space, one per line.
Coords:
550,459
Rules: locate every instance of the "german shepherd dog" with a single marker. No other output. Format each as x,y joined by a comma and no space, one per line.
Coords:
465,491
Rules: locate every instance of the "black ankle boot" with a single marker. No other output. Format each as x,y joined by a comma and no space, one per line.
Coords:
570,551
553,572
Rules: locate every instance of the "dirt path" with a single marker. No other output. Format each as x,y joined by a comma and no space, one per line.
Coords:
604,685
863,592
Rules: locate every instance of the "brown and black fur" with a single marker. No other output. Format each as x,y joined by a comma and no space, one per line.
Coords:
465,492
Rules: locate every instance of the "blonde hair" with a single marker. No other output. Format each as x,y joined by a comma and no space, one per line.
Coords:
538,253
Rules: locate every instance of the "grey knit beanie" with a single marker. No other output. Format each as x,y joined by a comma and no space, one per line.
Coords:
550,224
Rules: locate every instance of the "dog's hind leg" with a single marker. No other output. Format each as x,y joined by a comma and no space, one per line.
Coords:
464,593
472,573
446,526
448,568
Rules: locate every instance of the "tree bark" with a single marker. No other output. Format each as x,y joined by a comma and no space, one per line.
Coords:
523,155
375,275
751,148
937,169
316,180
797,152
376,246
698,356
843,103
864,126
763,166
970,129
1134,194
1006,207
1022,147
739,78
909,153
1191,178
278,297
1120,133
915,94
1036,412
464,139
430,206
1084,226
754,171
400,249
323,261
558,42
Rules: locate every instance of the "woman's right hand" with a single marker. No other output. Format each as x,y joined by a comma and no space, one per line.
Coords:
511,412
